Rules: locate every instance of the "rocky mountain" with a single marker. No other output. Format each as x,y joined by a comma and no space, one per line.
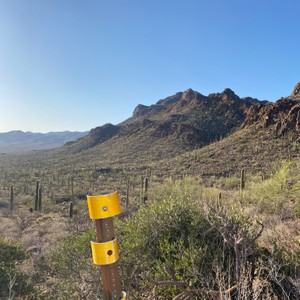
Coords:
296,92
19,141
184,121
283,116
189,133
269,134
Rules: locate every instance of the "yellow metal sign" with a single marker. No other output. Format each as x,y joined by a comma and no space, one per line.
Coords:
105,253
104,206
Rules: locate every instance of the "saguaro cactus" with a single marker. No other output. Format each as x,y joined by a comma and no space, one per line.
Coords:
36,201
40,199
144,193
71,210
11,198
242,180
72,189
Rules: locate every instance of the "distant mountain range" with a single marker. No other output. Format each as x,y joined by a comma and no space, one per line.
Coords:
18,141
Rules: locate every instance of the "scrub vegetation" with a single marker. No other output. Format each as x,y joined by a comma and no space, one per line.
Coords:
191,238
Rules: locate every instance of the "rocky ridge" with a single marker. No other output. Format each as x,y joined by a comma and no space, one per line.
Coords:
282,117
187,119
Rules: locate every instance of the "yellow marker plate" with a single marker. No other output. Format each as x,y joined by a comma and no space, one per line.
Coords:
105,253
104,206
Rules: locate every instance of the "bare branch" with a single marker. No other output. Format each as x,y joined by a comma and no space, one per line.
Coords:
260,231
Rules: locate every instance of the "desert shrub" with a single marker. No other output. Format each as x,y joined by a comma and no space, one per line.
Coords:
70,267
176,248
179,249
166,237
187,188
13,282
229,182
277,194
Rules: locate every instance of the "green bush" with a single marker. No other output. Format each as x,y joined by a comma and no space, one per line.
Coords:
232,183
174,247
175,242
278,194
167,234
73,274
13,282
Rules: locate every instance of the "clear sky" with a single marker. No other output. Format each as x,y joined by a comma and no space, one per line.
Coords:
77,64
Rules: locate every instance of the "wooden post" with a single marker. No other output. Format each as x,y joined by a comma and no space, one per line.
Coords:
109,273
105,251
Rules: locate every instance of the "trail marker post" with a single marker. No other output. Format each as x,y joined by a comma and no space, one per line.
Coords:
105,250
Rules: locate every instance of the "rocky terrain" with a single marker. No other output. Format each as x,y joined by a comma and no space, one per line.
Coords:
182,122
283,115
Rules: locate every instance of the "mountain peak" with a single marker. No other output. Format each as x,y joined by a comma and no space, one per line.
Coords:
140,110
230,92
296,91
188,93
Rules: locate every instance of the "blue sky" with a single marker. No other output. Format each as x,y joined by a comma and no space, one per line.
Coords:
74,65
